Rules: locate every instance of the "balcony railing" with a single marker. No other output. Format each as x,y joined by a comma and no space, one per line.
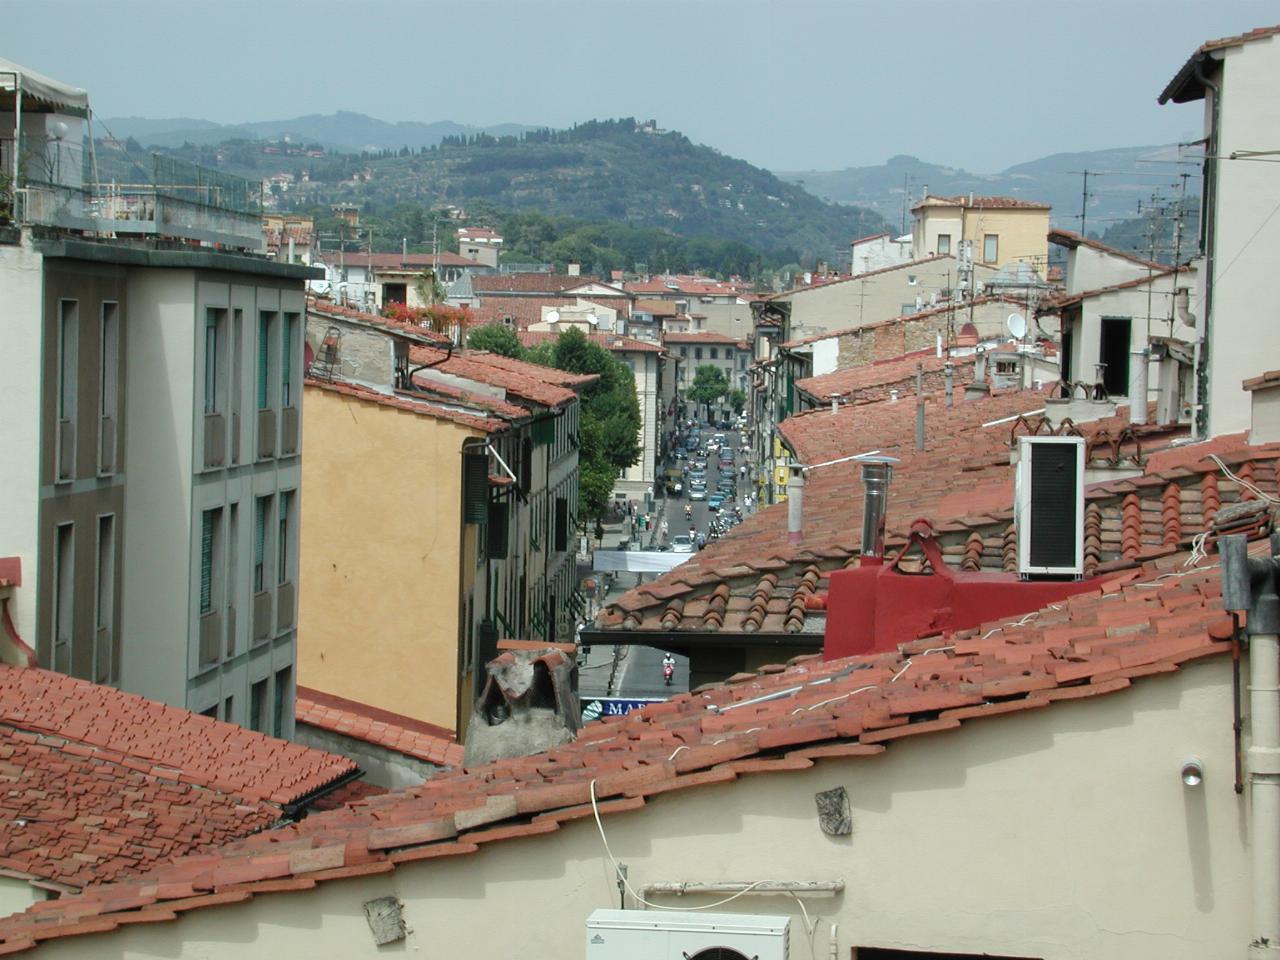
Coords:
183,202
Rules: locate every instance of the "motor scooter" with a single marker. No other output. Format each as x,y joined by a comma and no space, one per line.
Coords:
668,671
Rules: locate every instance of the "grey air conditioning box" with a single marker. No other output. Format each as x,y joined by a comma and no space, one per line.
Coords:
667,935
1050,507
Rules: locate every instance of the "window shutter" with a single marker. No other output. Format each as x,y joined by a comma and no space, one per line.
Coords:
282,550
497,531
526,464
206,562
562,524
259,542
286,357
475,487
263,357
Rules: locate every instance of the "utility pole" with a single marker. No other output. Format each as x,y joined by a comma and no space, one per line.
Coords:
1084,201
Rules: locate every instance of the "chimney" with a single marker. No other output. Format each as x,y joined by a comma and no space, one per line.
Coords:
528,703
876,474
574,269
1138,387
893,395
795,503
835,404
979,387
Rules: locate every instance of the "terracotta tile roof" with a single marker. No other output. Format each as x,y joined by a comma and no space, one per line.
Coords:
779,720
1050,304
1071,240
397,261
401,401
703,337
411,331
374,727
535,371
523,311
874,236
1269,379
444,393
478,233
873,381
1184,86
659,308
684,285
610,341
483,367
546,284
97,783
958,306
981,203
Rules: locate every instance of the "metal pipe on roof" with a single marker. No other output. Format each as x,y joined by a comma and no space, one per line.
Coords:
919,406
1138,387
949,379
795,503
876,476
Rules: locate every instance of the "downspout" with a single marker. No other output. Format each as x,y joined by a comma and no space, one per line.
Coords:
1207,242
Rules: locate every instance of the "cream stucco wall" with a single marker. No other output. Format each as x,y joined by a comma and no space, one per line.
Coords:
16,894
1023,235
860,301
1063,834
21,279
1090,269
381,550
1246,234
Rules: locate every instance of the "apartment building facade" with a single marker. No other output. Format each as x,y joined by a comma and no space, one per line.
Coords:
997,230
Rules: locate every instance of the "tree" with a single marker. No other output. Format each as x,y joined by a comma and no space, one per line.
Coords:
737,400
496,338
709,385
610,420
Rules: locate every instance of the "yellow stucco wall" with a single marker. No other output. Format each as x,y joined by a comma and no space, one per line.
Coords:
378,600
1024,235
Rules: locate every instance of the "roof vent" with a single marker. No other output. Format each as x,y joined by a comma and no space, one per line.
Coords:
1050,507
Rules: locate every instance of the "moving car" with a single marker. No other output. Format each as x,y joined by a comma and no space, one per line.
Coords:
697,491
681,543
715,500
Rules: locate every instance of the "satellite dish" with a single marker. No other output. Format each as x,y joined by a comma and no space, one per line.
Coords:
1017,325
553,316
592,319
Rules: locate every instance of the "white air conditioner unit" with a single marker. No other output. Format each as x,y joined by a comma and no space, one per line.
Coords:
1050,507
666,935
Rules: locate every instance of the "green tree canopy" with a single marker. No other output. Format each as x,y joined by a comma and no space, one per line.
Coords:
496,338
737,400
709,384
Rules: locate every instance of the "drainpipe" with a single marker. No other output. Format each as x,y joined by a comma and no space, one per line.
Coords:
795,502
1251,584
1138,387
877,472
919,406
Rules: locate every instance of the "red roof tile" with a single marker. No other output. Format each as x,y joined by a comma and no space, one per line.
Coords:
769,723
403,401
374,726
610,341
970,201
1185,87
546,284
1067,238
1050,304
99,784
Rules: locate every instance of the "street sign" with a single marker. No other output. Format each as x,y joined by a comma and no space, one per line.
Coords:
614,706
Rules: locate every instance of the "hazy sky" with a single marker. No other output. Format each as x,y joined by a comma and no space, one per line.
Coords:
809,84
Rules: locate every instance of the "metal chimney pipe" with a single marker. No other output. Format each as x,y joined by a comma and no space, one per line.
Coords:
835,404
795,503
1138,387
877,472
949,378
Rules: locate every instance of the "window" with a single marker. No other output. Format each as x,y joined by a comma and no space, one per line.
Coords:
258,704
68,341
944,243
684,351
106,574
990,247
109,373
282,544
266,323
715,353
284,698
228,709
210,535
290,334
697,353
261,509
214,367
63,591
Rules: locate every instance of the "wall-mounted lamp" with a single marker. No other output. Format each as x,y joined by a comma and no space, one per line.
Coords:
1192,772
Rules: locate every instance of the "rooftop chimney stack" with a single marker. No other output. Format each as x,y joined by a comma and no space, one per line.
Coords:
835,404
795,503
876,474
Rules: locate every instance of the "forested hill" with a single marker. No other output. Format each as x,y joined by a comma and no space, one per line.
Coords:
610,170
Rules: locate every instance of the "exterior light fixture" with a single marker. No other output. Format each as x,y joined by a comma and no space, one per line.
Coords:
1192,772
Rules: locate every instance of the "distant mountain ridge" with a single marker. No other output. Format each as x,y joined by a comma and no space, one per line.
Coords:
344,130
1119,179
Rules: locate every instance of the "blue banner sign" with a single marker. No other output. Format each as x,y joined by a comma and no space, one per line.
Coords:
614,706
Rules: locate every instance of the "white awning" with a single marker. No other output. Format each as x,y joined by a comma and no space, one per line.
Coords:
60,96
638,561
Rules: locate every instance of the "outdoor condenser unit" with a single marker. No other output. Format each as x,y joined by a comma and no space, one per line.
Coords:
1050,507
666,935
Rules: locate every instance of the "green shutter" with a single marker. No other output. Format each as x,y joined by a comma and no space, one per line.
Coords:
206,562
286,357
264,341
497,531
562,525
475,487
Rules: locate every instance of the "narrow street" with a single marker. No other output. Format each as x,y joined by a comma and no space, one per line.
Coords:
637,672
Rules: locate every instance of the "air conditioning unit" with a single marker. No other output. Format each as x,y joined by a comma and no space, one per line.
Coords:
666,935
1050,507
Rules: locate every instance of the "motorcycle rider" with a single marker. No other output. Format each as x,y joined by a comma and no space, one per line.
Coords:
668,668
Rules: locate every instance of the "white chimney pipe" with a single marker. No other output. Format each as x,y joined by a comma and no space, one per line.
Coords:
877,472
1138,387
795,503
835,404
